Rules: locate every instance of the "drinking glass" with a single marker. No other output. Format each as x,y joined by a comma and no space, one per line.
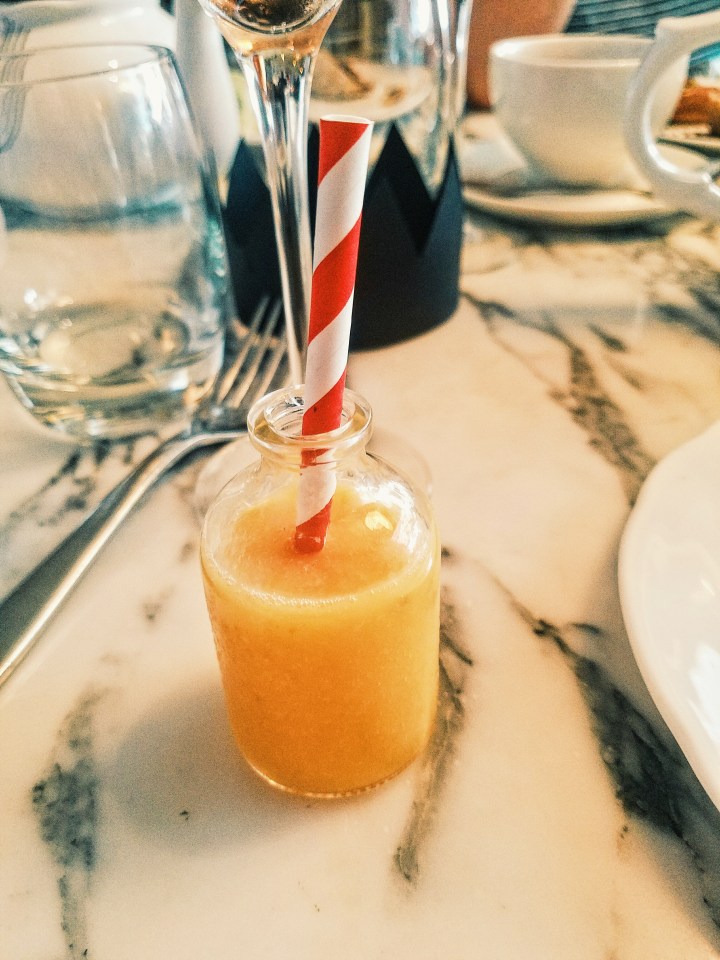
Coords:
395,64
276,44
113,277
461,11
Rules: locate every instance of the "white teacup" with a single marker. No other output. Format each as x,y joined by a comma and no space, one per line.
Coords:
561,98
675,38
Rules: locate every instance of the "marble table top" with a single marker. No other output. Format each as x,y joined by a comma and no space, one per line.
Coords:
553,815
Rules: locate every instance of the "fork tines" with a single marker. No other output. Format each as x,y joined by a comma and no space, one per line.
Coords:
262,347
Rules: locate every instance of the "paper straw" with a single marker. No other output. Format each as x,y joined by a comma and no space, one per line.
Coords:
343,162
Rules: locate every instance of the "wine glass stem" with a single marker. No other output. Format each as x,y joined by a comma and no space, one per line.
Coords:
279,86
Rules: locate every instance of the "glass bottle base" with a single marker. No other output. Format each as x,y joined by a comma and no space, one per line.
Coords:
340,794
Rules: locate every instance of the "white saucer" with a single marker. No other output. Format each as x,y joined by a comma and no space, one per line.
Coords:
494,175
669,577
586,208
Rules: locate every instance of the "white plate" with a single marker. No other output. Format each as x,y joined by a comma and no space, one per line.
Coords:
669,577
392,92
693,135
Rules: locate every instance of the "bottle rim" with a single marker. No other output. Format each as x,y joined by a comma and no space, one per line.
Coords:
275,425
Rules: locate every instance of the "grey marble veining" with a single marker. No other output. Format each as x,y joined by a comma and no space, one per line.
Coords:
587,403
455,662
653,780
66,804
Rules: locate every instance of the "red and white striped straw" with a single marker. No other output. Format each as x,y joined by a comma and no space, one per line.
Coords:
344,153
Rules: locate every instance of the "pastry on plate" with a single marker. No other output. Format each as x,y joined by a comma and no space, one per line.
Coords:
699,104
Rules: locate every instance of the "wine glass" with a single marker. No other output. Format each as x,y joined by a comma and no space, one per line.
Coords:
276,43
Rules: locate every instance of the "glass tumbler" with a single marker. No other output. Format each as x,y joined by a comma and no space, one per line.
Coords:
329,660
113,272
395,62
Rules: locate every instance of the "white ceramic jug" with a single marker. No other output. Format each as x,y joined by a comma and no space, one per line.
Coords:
39,23
691,190
200,55
196,42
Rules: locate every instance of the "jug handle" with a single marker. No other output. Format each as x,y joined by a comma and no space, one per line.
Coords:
693,191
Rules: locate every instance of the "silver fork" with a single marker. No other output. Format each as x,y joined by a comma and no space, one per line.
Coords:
27,610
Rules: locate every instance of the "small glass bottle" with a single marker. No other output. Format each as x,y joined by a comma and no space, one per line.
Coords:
329,660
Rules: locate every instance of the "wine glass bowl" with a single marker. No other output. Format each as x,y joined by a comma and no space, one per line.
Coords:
255,26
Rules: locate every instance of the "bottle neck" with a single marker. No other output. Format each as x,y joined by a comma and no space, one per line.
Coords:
275,429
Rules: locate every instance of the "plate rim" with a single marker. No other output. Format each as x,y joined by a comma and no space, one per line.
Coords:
706,768
687,135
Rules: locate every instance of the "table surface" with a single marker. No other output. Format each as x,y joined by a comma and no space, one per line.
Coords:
553,816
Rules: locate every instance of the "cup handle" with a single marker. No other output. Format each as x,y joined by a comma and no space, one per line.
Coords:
693,191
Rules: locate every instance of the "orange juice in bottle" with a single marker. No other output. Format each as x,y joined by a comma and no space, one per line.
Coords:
329,660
